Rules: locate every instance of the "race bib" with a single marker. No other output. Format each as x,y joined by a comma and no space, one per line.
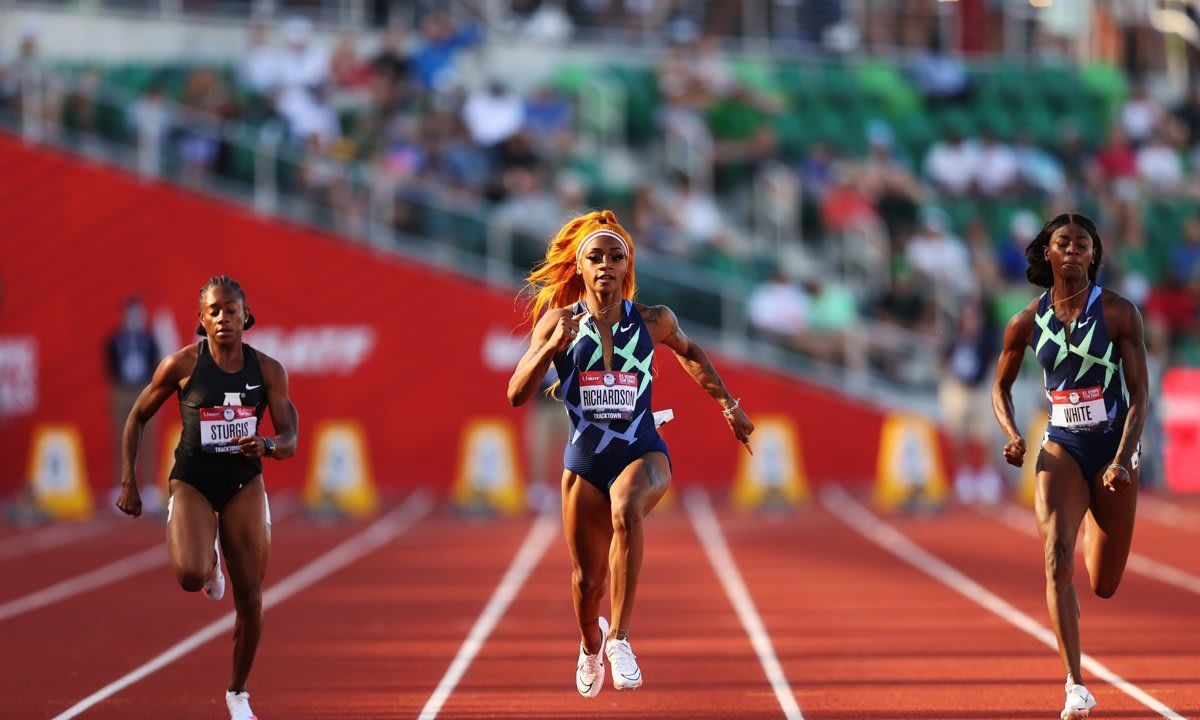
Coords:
220,427
1079,407
607,395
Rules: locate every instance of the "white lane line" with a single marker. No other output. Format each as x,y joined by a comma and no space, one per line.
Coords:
704,522
1023,521
374,536
115,571
51,537
1166,513
541,533
854,514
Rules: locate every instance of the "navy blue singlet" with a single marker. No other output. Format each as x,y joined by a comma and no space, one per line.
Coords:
1085,383
611,421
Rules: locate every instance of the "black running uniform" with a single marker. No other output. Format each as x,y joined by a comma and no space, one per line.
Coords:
217,408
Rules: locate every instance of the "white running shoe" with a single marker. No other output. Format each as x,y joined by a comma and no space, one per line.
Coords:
214,586
589,673
239,706
1079,702
626,673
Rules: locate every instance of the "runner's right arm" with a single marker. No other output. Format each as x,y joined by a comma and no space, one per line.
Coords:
1008,365
551,335
170,371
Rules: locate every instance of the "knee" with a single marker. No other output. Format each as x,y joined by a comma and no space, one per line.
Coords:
1105,587
626,514
248,604
589,584
1060,561
190,579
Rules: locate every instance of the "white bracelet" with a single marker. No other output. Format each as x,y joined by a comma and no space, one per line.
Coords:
729,410
1118,465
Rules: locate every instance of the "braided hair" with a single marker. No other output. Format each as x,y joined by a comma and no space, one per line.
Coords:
229,283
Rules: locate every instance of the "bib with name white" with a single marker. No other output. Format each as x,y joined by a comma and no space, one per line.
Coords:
607,395
1078,407
220,427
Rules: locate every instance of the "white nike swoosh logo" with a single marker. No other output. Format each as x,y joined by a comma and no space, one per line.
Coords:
1081,323
253,387
626,328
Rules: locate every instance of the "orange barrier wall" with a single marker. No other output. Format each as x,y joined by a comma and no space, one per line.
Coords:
411,354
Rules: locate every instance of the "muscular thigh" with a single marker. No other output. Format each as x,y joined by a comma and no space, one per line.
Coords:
1111,517
1061,495
246,534
587,522
644,481
191,528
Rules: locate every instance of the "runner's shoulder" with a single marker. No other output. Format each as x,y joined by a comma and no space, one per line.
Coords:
268,363
180,363
1022,322
654,314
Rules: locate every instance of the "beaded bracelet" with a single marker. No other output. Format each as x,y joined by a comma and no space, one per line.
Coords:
729,410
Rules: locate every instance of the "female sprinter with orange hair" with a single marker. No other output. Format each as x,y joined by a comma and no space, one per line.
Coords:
616,467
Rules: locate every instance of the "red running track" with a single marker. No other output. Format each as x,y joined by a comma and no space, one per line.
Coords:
858,632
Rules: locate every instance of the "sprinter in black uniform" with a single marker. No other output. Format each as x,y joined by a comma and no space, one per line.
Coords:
216,484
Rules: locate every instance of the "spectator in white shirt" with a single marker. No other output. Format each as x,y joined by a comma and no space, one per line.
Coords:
1140,116
997,166
938,255
779,308
953,164
261,68
493,114
1159,165
303,65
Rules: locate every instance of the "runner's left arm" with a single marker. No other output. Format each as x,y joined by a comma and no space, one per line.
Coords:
1132,344
283,414
664,327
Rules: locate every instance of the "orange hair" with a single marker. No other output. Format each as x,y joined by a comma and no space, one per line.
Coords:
554,282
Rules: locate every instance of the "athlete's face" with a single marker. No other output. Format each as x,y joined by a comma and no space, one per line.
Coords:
223,315
1070,252
604,265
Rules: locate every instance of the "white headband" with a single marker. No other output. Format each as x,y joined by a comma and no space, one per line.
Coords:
600,233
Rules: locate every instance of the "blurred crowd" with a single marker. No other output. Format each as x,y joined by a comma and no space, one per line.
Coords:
851,250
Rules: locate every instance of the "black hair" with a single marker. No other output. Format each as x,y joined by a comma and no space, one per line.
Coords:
1039,272
226,282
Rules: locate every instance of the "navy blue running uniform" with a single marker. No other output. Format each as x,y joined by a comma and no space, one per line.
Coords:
612,424
1085,383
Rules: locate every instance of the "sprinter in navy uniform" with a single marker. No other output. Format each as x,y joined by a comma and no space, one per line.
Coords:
1089,342
616,466
216,485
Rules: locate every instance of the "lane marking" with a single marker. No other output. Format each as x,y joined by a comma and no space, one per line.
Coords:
106,575
373,537
1167,513
115,571
537,541
51,537
867,524
708,530
1024,521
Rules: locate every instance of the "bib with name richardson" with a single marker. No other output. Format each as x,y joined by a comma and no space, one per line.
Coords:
608,395
1084,373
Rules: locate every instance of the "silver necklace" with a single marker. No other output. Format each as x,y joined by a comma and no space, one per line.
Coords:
602,310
